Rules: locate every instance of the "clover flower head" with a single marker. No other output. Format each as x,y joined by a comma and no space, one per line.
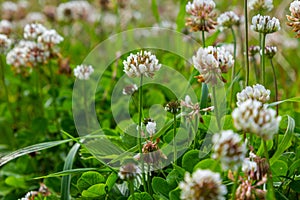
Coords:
5,27
270,51
36,53
50,38
249,166
74,10
295,9
294,19
254,117
202,17
211,62
173,107
263,5
227,20
5,43
129,89
256,92
32,31
265,24
83,72
202,184
129,171
253,50
229,149
141,63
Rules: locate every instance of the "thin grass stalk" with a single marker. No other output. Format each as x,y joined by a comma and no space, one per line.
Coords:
234,65
247,42
216,107
204,89
275,85
262,59
174,141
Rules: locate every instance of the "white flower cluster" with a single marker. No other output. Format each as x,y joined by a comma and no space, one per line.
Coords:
203,184
130,89
256,92
249,166
295,8
36,49
75,10
142,63
227,20
229,149
5,43
211,62
254,117
266,5
265,24
83,72
199,6
5,27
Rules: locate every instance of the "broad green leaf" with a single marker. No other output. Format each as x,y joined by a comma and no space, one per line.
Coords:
175,194
279,168
174,177
30,149
94,191
66,180
284,144
111,180
295,167
208,164
160,186
190,159
16,182
88,179
141,196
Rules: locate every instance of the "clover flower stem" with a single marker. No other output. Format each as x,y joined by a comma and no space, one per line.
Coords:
257,75
2,66
262,59
276,85
234,65
149,180
140,132
242,45
247,41
174,141
236,180
270,191
131,188
54,97
216,107
203,37
204,89
86,108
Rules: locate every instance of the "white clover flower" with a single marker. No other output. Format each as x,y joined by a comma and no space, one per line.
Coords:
211,62
74,10
265,24
129,171
256,92
199,6
32,31
35,17
203,184
5,43
266,5
130,89
50,38
36,53
295,8
17,57
227,20
142,63
249,166
229,149
151,128
253,117
5,27
9,6
83,72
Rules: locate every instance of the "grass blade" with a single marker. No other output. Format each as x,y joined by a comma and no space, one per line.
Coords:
30,149
66,180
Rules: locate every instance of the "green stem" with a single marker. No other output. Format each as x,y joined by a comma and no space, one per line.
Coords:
262,59
216,107
174,140
54,97
86,107
2,66
131,188
234,65
236,179
276,85
149,180
140,132
204,89
247,41
270,181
